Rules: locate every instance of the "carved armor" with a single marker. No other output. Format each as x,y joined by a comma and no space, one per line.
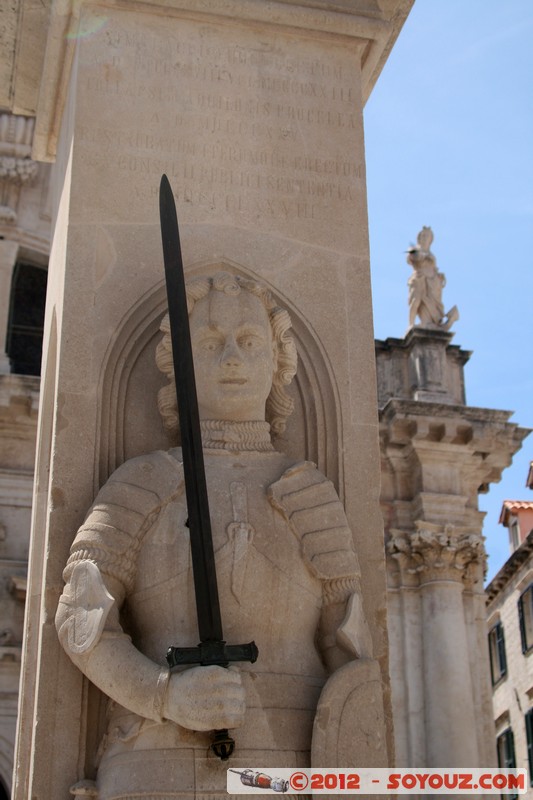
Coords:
283,551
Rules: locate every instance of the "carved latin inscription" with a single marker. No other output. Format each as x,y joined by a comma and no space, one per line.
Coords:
238,128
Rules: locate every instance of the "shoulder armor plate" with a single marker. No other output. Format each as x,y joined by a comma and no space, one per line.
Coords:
309,501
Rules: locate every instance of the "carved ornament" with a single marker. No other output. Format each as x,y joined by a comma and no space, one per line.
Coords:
435,552
16,166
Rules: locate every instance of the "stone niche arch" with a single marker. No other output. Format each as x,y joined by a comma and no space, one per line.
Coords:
128,420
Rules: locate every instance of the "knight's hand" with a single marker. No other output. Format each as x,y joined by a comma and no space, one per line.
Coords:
205,698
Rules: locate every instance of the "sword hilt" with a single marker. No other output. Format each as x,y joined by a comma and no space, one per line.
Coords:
212,653
218,654
223,744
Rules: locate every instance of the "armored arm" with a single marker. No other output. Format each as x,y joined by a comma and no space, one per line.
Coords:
312,507
351,703
100,573
101,649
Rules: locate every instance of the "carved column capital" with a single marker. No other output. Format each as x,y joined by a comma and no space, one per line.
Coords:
436,552
16,166
17,170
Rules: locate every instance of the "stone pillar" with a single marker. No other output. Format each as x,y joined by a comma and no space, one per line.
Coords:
475,603
406,660
449,697
254,111
8,257
440,558
438,454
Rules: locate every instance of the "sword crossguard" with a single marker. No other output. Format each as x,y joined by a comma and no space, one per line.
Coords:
216,653
212,653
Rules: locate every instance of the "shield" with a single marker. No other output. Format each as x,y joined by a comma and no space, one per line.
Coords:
349,727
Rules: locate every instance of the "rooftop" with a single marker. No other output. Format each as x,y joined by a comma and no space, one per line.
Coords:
511,507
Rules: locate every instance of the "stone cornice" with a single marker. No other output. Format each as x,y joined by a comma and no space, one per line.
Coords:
395,343
418,408
510,568
483,435
434,552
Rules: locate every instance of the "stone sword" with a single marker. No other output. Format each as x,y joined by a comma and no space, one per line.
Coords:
212,649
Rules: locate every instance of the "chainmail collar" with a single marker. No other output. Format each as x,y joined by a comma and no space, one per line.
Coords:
220,434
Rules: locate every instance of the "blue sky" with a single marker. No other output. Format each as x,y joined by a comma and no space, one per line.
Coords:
449,142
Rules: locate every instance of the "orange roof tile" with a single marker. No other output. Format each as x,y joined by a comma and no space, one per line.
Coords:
511,507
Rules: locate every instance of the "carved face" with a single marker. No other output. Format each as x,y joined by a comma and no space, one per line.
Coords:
234,356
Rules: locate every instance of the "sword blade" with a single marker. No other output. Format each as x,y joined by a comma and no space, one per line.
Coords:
203,557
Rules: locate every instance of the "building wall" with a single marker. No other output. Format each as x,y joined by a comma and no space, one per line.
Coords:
513,693
525,521
24,238
19,396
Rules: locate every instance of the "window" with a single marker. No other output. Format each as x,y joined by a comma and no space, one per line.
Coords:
498,661
525,615
506,756
514,533
529,737
26,318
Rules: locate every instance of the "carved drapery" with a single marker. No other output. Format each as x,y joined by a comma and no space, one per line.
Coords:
16,166
435,552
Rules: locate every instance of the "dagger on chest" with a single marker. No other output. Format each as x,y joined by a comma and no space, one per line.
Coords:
240,534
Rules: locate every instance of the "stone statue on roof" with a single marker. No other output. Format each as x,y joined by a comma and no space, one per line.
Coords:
425,286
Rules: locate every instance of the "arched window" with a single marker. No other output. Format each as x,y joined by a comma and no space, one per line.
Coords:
24,341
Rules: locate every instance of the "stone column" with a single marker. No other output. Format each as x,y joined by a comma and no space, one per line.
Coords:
8,257
475,602
438,454
406,669
448,686
437,558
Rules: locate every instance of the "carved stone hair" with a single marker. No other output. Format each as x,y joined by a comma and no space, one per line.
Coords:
278,405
